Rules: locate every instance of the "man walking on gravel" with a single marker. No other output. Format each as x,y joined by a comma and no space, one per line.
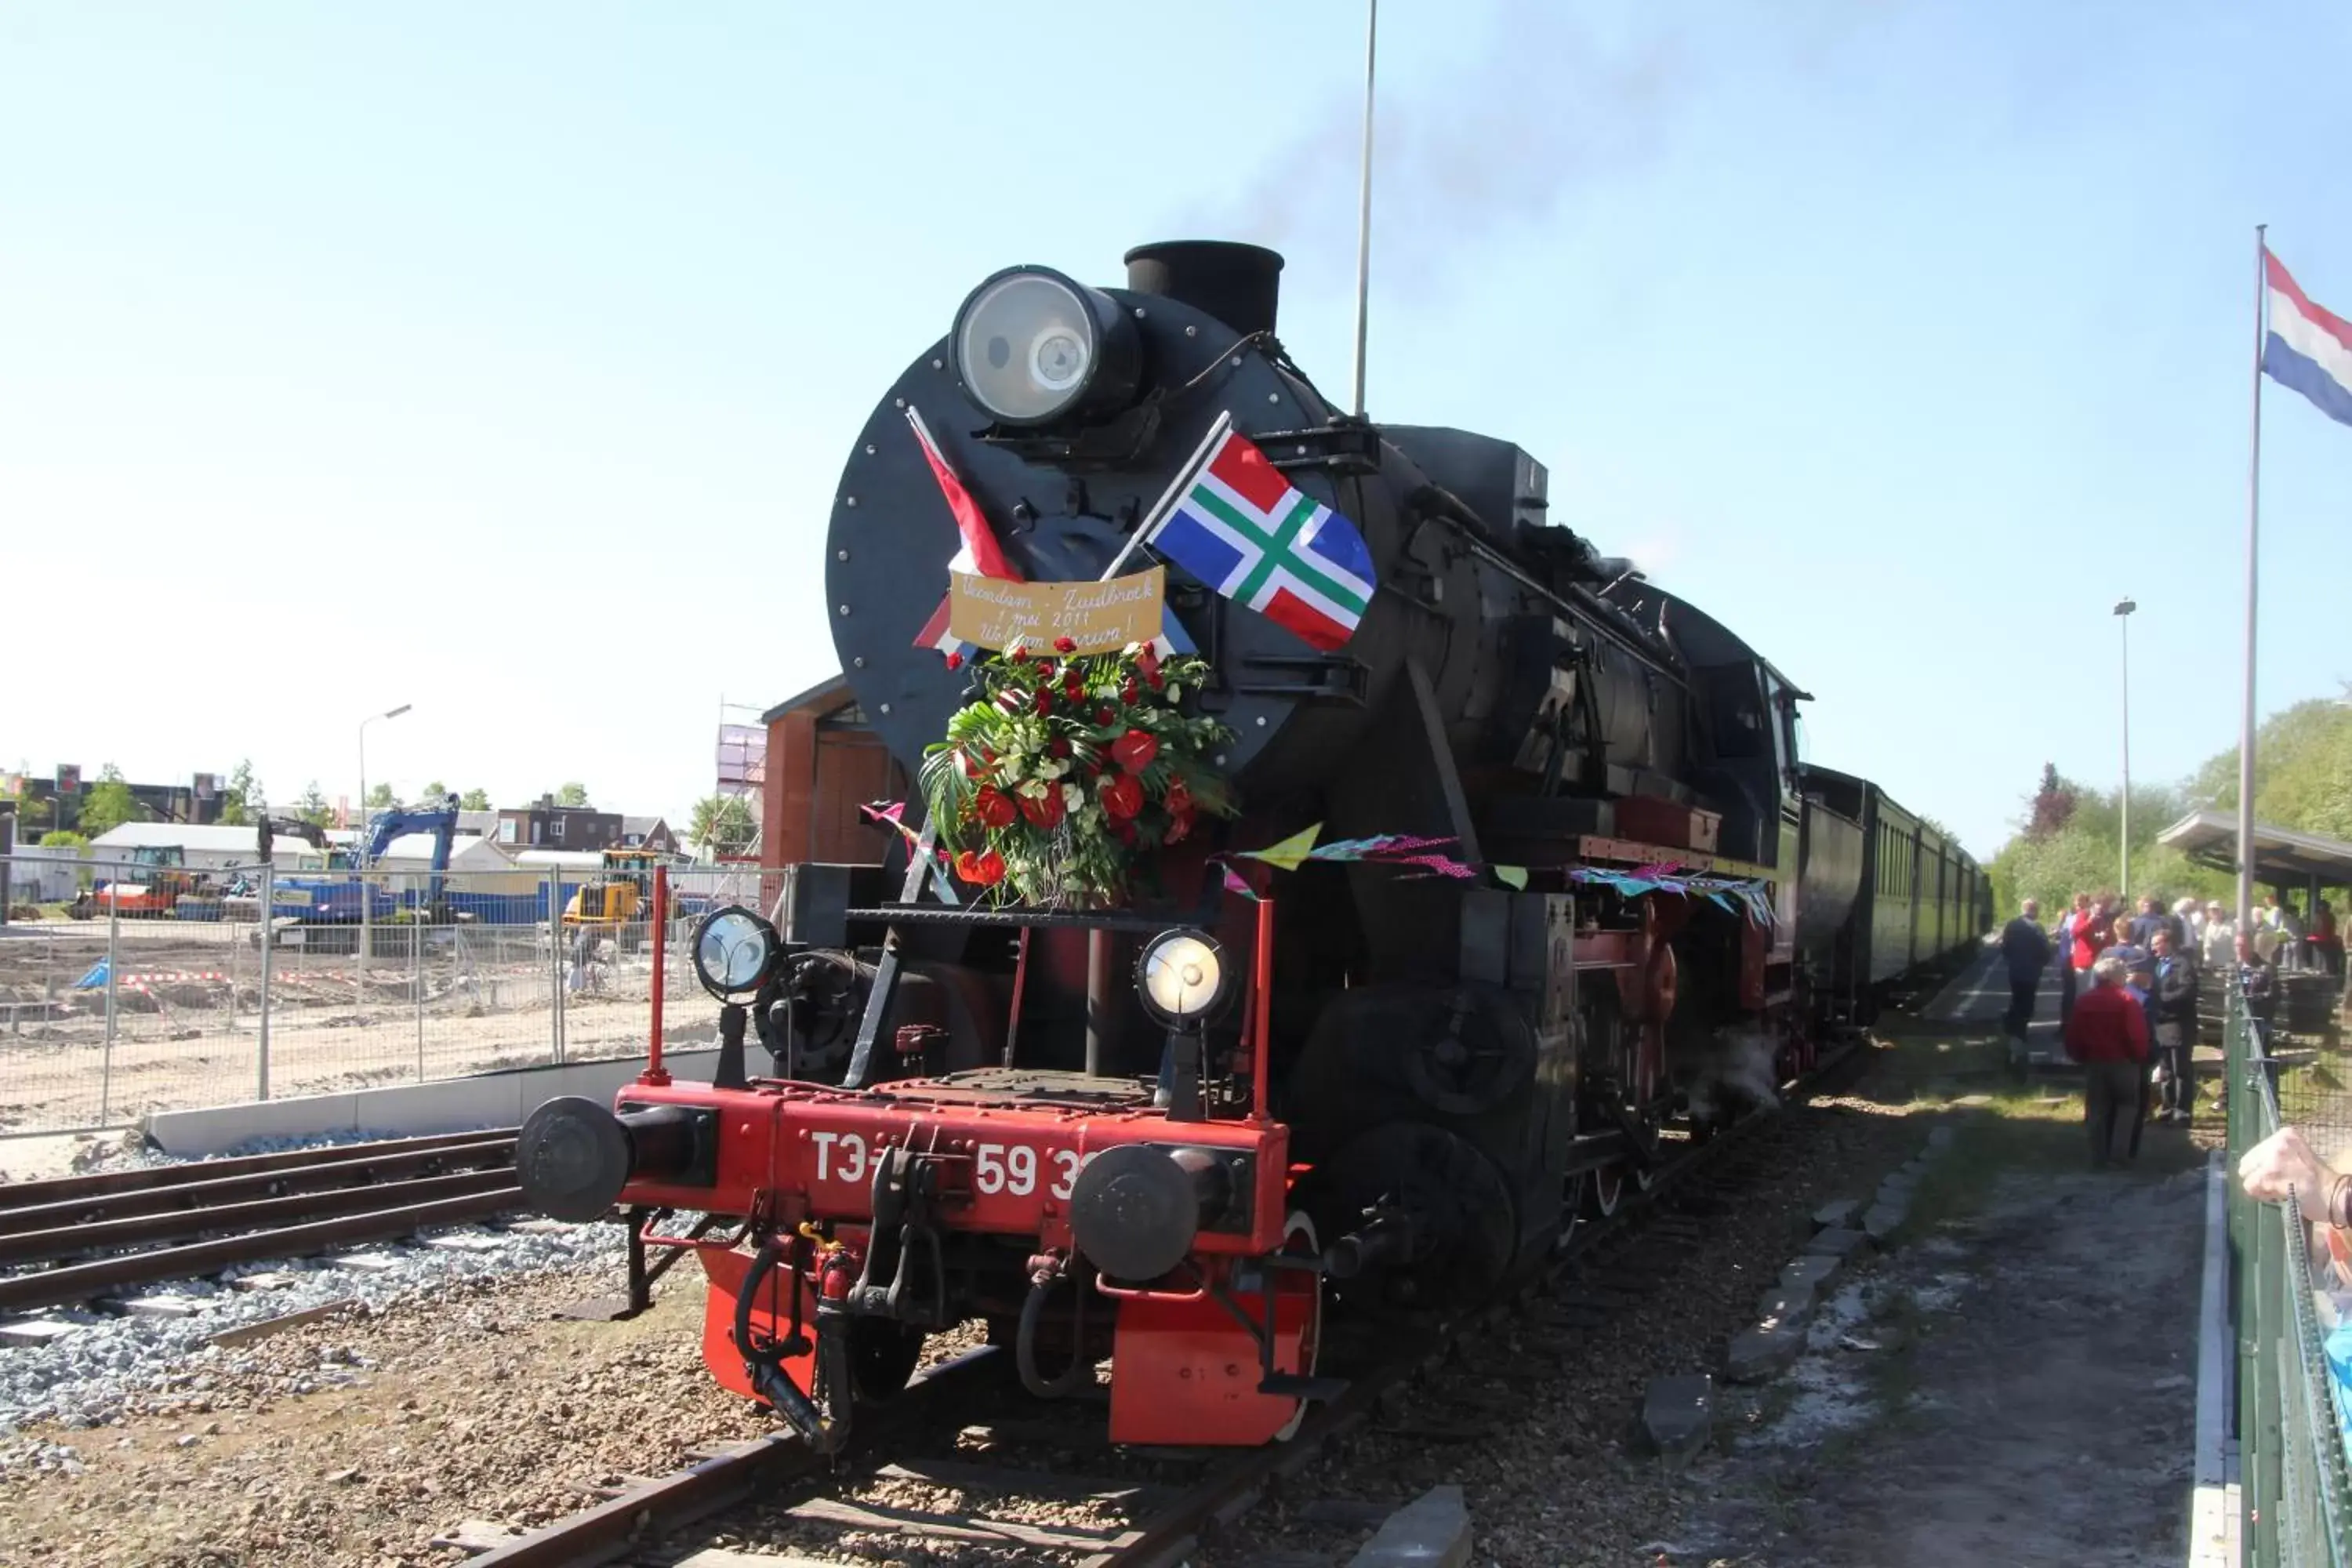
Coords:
2108,1035
2026,950
2176,1029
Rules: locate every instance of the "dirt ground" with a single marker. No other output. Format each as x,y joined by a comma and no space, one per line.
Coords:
2011,1385
2015,1387
186,1022
357,1442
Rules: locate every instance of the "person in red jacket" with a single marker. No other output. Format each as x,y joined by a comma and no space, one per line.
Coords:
2093,934
2108,1035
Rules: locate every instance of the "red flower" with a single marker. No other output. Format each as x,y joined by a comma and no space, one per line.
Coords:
1122,798
1044,699
1044,813
1106,715
1178,824
1065,645
1129,692
1148,662
984,869
955,659
994,808
1133,751
1059,746
1072,687
1156,679
1180,799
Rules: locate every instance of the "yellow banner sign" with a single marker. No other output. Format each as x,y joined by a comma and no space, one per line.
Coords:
1100,617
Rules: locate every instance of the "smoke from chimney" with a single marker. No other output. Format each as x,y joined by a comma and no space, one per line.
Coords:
1544,108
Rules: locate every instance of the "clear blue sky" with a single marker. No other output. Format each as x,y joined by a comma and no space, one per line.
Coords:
502,358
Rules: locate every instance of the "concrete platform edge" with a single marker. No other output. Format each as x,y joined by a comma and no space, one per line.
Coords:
2214,1508
445,1105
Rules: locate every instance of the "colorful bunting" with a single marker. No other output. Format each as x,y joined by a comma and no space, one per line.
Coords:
1736,895
894,815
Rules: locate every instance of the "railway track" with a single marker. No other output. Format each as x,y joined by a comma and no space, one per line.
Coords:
75,1238
1158,1513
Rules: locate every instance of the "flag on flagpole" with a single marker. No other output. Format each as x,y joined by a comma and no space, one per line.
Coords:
2307,349
1243,529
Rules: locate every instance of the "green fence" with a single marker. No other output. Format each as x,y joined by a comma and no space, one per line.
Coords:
2292,1454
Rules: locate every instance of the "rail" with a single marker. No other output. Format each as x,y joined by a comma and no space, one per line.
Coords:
2295,1501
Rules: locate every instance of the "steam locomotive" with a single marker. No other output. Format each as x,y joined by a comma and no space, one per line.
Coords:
1360,1090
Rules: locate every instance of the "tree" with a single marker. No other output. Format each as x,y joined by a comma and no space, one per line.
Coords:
108,806
311,806
572,795
380,798
241,802
2053,804
474,800
435,793
2303,771
55,840
722,824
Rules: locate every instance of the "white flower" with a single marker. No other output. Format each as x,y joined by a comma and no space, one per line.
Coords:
1175,691
1009,769
1073,798
1034,789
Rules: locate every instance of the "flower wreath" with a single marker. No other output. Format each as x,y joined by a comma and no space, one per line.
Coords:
1068,767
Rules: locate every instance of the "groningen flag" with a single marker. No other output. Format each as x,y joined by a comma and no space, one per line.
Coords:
1242,528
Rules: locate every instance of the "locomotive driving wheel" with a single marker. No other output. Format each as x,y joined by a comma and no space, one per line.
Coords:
1298,1240
1608,1189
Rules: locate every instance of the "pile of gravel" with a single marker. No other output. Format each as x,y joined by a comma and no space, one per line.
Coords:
88,1377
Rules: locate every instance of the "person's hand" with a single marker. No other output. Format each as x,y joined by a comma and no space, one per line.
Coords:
2283,1164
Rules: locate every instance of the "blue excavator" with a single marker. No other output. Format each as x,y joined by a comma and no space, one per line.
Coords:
326,910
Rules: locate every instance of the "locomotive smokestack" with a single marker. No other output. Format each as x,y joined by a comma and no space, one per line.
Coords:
1240,285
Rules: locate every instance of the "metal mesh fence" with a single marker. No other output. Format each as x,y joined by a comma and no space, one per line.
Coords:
129,1003
2292,1296
2299,1011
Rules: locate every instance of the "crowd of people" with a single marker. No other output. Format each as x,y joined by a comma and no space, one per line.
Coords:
2128,991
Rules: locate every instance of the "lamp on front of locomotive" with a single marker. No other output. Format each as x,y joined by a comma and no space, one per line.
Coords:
1184,983
734,952
1032,347
734,949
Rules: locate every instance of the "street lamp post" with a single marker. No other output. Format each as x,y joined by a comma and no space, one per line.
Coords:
2123,608
361,858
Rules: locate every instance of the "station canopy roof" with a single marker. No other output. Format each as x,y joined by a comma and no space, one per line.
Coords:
2210,838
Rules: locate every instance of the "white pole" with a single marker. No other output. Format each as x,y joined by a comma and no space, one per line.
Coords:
360,860
2253,556
1160,509
1364,206
2123,881
268,962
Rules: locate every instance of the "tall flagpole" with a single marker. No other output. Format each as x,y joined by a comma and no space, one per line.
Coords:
1364,207
2253,535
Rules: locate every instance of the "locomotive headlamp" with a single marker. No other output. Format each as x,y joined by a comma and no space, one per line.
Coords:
1031,347
734,949
1184,979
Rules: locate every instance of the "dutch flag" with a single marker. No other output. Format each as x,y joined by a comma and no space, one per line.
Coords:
2307,349
978,552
